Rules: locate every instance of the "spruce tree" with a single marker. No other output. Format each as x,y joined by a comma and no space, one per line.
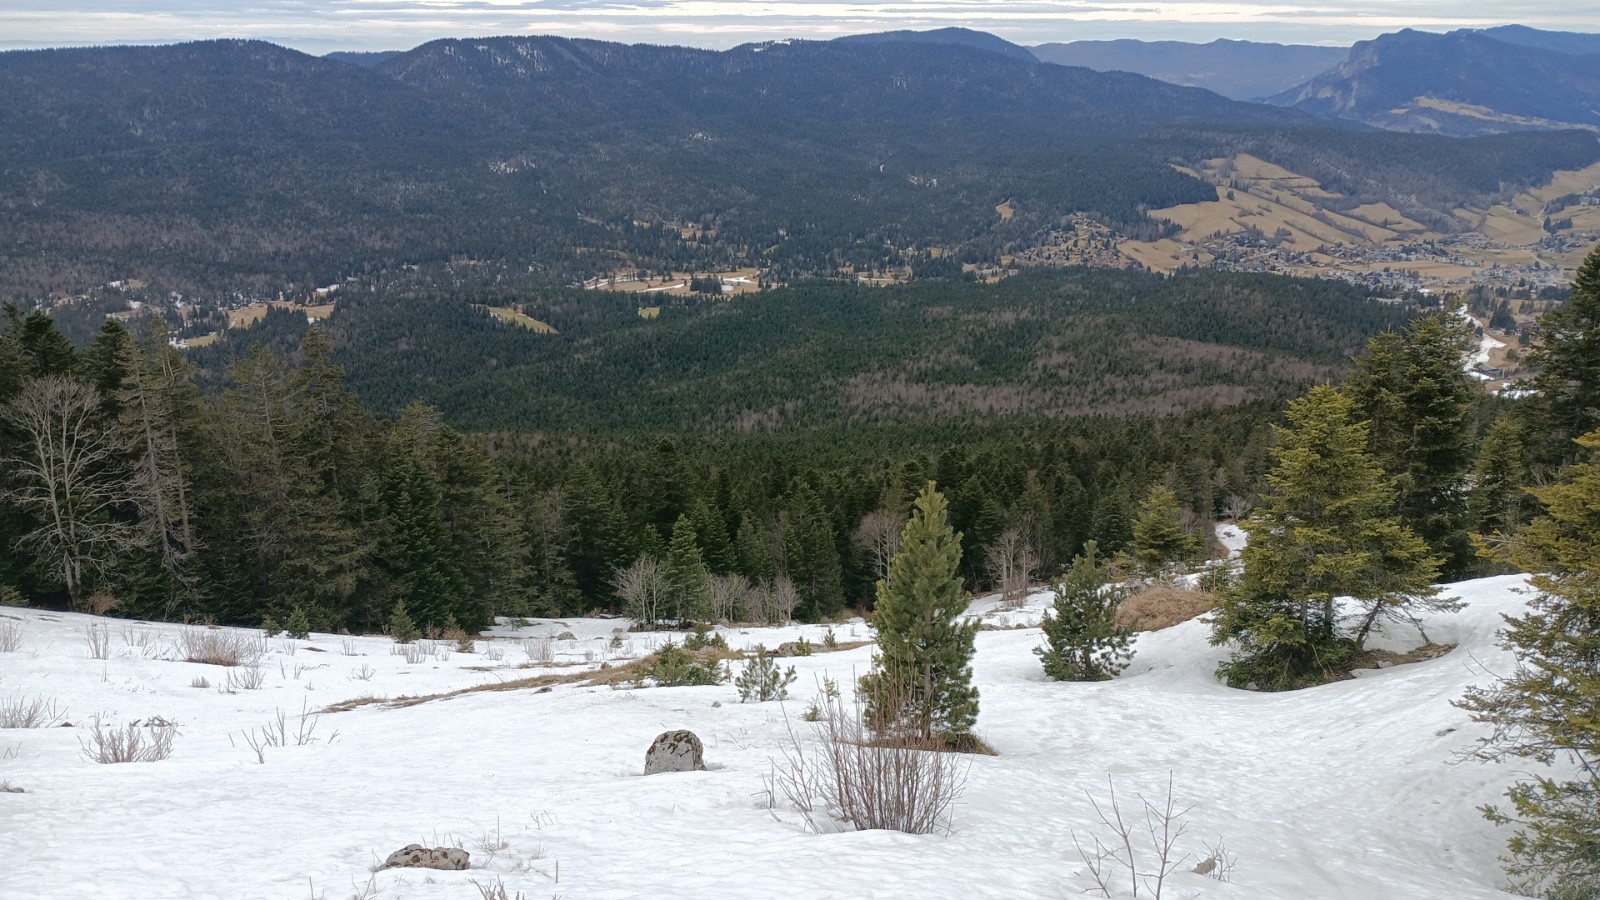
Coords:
754,548
812,554
1158,536
711,532
1547,711
401,628
688,592
1499,480
1083,641
157,407
921,683
1418,401
1326,528
299,626
1566,360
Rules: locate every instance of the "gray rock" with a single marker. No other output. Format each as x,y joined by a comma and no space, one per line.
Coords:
416,856
675,751
566,636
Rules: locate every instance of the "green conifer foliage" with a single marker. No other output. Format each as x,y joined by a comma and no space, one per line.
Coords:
1412,390
921,683
401,628
761,679
1083,641
1566,403
1547,711
1326,528
812,555
1499,480
712,534
688,592
1158,536
755,550
299,626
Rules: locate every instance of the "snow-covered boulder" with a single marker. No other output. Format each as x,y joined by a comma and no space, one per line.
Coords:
675,751
416,856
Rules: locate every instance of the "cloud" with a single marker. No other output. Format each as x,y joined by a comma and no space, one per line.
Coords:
323,25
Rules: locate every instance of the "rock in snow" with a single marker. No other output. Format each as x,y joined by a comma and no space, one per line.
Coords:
675,751
416,856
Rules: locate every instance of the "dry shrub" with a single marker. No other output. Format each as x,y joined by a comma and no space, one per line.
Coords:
101,602
10,637
131,743
847,778
246,678
1138,847
23,712
221,646
1158,606
540,649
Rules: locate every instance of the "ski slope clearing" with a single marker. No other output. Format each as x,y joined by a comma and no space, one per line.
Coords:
1350,790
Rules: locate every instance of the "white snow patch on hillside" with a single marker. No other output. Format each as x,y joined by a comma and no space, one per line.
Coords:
1350,790
1232,538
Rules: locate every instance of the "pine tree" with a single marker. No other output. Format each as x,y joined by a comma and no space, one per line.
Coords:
812,555
1499,480
1548,709
154,403
755,550
1083,641
761,679
688,592
711,532
401,628
415,540
299,626
1413,391
597,534
1158,536
1566,402
921,682
1325,529
45,350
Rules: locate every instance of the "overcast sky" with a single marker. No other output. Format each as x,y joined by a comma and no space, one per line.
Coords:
318,26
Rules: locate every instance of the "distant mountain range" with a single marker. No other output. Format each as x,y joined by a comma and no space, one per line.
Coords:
965,37
1461,83
242,165
1243,70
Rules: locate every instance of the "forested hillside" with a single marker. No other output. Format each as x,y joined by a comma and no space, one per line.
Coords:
1046,345
242,168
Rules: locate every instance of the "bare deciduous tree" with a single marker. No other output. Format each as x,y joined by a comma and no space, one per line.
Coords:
63,473
879,535
728,596
643,589
1011,561
782,598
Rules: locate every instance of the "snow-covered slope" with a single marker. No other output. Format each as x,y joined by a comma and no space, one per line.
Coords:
1351,790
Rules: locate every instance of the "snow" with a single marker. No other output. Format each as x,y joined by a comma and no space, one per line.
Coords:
1232,538
1484,343
1350,790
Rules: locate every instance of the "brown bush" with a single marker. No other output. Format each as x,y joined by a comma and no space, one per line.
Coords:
1154,607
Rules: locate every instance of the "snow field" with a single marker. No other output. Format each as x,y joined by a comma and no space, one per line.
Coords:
1350,790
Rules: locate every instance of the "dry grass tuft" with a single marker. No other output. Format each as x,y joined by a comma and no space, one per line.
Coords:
23,712
131,743
221,646
10,637
1155,607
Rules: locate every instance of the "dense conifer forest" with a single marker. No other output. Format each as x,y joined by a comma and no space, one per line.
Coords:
299,467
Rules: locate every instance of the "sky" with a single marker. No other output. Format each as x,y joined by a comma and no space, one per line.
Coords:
320,26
